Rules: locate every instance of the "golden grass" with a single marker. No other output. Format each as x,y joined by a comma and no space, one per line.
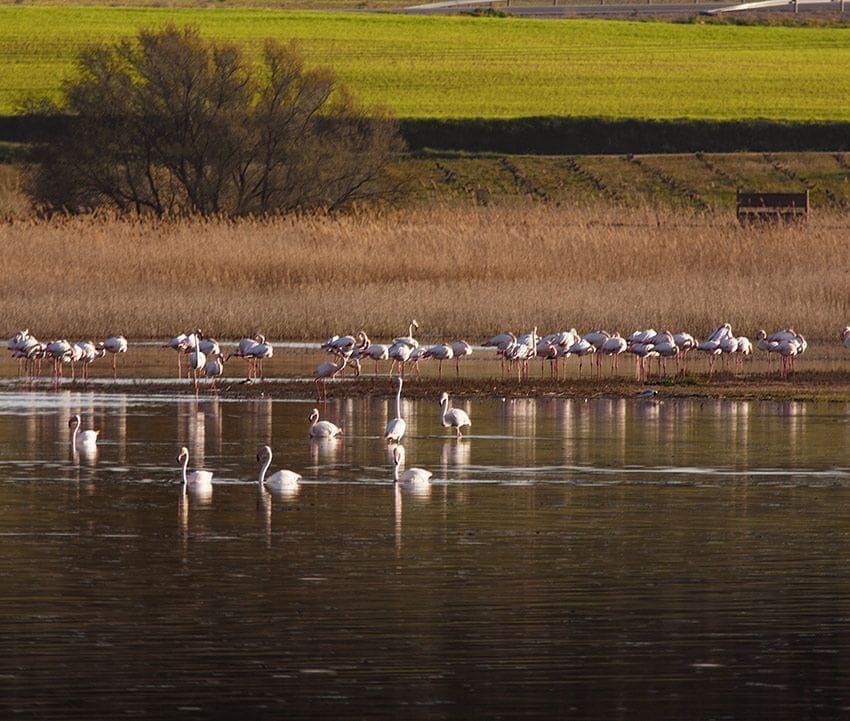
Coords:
462,272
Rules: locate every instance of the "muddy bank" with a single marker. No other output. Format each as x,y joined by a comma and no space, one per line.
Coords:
802,386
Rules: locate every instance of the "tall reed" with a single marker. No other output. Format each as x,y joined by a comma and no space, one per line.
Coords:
462,272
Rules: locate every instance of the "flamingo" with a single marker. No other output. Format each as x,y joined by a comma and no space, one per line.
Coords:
613,346
665,346
400,353
686,343
208,346
196,481
82,441
197,359
454,417
178,343
408,339
242,350
325,371
114,344
461,349
214,368
581,348
378,352
57,350
258,353
73,356
744,349
845,337
397,426
440,352
285,481
411,475
88,355
322,429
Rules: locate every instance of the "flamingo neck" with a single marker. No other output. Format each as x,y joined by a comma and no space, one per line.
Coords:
395,471
398,402
265,468
74,435
185,464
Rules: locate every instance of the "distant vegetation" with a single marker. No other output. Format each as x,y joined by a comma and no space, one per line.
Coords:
467,67
462,272
170,123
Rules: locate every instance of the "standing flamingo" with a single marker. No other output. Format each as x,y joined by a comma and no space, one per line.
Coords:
114,344
454,417
324,372
197,359
397,426
440,352
461,349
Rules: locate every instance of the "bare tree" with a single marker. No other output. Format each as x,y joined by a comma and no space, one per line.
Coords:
171,123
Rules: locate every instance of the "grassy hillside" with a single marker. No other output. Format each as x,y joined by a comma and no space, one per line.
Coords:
693,182
439,67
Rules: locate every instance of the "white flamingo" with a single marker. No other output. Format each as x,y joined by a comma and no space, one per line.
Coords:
57,350
322,429
408,339
197,359
411,475
258,353
178,343
397,426
325,372
197,481
441,352
285,481
114,344
400,353
581,348
82,441
88,355
461,349
378,352
613,346
214,368
454,417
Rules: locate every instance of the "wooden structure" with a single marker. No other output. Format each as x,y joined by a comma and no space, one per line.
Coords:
772,207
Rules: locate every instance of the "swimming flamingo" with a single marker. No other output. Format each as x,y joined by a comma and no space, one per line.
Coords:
82,441
279,480
411,475
397,426
454,417
322,429
196,481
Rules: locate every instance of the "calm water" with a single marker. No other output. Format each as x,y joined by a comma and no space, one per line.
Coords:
602,559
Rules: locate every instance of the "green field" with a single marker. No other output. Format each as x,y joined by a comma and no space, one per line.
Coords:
466,67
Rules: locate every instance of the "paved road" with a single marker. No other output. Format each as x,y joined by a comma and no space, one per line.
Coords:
602,10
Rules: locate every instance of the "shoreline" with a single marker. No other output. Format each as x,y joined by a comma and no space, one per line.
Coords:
815,386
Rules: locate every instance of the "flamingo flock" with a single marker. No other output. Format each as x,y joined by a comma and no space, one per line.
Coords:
201,358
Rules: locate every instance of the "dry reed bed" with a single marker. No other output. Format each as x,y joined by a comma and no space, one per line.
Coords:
462,272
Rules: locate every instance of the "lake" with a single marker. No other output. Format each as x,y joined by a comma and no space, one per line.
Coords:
610,558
